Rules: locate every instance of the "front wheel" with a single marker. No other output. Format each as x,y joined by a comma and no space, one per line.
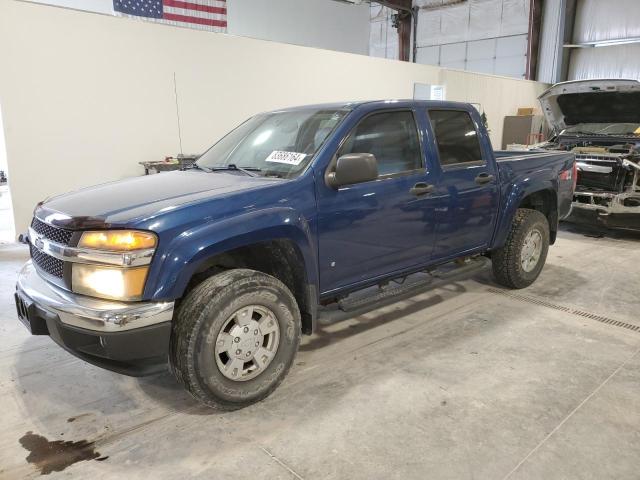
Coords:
519,262
235,337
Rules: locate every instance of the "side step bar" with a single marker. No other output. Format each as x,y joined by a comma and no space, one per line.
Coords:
404,286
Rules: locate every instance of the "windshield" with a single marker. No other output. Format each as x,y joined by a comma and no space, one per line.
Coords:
604,129
277,144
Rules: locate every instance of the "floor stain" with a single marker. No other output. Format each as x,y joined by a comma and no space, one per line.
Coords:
73,419
54,456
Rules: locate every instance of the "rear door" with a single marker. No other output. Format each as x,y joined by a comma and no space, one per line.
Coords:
467,183
372,229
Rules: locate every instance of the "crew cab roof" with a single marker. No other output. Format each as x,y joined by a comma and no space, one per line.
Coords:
373,104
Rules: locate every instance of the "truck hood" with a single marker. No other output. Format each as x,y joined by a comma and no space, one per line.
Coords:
591,101
119,202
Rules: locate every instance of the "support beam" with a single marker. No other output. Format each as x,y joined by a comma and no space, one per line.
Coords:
533,39
403,20
397,5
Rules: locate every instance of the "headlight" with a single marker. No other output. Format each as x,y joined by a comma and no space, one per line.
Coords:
118,240
113,264
115,283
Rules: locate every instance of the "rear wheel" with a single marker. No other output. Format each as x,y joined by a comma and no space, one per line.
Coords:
519,262
235,337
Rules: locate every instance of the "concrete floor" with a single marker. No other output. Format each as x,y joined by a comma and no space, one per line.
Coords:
467,381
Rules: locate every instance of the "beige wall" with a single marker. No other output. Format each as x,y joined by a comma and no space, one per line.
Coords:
85,96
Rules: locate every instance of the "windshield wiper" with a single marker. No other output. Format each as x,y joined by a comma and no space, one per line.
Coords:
195,166
232,166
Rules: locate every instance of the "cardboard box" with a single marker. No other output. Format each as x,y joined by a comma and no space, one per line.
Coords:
525,111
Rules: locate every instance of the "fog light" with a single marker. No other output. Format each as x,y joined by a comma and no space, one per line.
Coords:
108,282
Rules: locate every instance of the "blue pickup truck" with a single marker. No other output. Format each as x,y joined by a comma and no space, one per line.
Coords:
218,270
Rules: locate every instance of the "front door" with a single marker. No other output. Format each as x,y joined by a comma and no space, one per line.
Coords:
374,228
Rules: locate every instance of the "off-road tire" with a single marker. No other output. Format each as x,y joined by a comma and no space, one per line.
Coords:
198,320
507,268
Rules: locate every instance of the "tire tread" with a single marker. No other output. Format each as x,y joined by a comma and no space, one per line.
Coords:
505,259
190,315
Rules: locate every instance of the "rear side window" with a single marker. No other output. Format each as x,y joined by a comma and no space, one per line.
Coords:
392,137
456,137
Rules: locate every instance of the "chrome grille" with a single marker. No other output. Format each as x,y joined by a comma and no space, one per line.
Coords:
52,233
593,157
47,263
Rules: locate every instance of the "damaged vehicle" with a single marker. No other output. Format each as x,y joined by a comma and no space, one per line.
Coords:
599,121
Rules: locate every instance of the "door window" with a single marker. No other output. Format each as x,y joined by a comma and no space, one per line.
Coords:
392,137
456,137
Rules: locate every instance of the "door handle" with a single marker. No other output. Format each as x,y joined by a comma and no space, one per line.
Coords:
484,178
421,188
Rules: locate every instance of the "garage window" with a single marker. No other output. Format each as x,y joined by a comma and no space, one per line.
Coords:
392,137
456,137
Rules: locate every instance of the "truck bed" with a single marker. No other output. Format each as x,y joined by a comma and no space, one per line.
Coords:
534,159
524,154
516,167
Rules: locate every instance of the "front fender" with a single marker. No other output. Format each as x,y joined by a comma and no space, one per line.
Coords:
179,260
512,197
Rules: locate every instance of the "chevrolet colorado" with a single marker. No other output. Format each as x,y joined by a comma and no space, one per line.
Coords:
218,270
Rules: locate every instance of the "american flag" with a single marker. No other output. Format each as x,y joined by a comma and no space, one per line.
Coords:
202,14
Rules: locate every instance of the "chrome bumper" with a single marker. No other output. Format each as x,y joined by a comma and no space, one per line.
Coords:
87,312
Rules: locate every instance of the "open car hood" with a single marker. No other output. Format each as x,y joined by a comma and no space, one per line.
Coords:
591,101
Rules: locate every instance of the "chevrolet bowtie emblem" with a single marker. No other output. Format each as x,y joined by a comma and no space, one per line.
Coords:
38,243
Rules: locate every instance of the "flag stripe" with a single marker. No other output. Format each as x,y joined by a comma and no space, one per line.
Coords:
201,21
195,6
192,26
193,13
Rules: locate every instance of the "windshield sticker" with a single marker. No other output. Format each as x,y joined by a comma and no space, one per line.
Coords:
289,158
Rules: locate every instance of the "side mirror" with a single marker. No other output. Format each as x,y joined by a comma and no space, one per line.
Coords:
353,168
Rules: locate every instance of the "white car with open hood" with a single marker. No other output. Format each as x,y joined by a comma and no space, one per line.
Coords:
599,121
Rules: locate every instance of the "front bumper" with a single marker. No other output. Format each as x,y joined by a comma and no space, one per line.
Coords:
129,338
606,209
590,216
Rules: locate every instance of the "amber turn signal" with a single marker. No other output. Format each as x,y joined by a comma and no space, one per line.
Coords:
118,240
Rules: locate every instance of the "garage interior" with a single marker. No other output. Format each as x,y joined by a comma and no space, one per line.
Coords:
465,379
